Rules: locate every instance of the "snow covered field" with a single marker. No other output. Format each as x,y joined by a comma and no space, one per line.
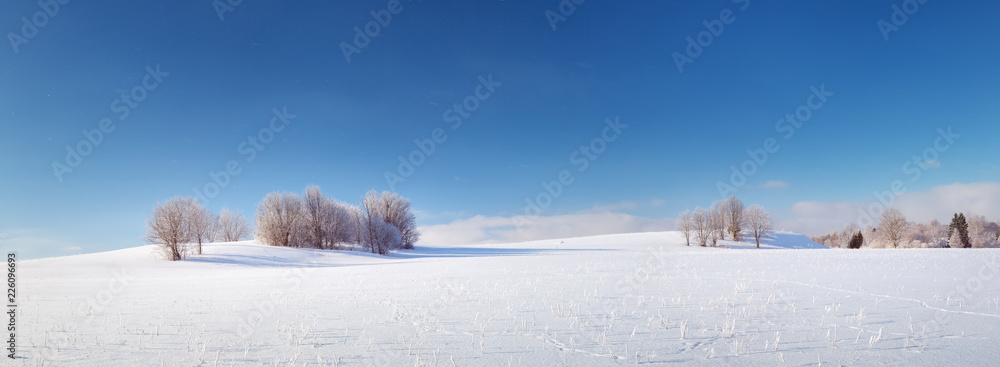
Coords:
611,300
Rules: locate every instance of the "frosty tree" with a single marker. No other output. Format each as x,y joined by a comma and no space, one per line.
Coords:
701,226
395,210
979,235
717,222
892,226
733,210
958,232
758,222
685,226
376,232
170,227
280,219
203,224
232,226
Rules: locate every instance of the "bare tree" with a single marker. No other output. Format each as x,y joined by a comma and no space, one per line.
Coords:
395,210
279,219
317,212
892,226
685,225
758,222
700,222
202,223
339,227
717,221
169,226
733,210
847,234
978,235
357,223
232,226
375,230
383,237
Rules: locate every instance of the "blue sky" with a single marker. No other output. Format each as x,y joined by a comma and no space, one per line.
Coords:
221,79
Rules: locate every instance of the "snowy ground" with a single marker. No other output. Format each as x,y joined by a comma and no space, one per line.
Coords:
609,300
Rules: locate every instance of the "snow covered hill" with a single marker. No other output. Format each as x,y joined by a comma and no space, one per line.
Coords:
641,298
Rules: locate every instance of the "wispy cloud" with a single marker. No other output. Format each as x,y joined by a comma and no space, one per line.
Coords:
31,244
498,229
939,202
774,185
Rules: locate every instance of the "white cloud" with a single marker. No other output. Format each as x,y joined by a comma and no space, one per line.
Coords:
33,244
495,229
774,185
940,202
616,207
815,218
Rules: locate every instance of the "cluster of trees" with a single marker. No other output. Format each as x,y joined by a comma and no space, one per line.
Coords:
893,230
725,217
383,222
181,225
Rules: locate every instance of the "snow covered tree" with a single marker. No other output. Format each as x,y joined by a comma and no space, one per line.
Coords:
959,227
717,222
169,226
395,210
377,211
280,219
892,226
357,222
339,227
685,226
758,222
381,236
317,212
232,226
979,236
733,211
702,230
202,224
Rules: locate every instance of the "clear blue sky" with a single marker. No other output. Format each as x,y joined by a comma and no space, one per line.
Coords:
557,86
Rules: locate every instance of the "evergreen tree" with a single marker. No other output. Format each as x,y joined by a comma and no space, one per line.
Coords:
963,231
958,232
856,240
